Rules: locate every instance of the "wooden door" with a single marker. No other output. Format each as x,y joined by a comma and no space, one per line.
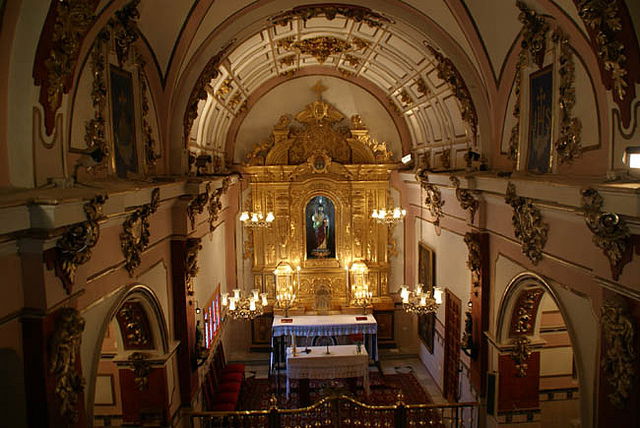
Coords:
451,346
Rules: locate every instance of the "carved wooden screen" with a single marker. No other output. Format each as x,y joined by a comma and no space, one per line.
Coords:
451,346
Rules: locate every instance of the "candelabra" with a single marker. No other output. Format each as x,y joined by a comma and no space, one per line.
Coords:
256,219
247,308
419,302
362,298
286,287
389,216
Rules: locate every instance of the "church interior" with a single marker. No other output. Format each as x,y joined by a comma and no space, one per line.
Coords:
383,213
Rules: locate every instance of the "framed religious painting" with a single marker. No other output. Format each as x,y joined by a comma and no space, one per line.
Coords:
426,277
540,120
320,226
126,156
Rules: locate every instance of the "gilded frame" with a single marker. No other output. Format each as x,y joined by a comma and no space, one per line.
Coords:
426,277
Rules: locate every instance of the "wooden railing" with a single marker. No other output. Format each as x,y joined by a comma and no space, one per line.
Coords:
343,411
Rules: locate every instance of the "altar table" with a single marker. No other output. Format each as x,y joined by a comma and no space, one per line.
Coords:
324,325
343,361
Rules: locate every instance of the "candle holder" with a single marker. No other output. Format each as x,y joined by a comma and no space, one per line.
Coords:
286,287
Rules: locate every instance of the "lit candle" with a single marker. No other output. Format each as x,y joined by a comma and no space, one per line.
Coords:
264,299
236,293
225,299
232,304
252,305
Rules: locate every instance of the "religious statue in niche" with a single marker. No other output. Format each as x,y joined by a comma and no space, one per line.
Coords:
320,228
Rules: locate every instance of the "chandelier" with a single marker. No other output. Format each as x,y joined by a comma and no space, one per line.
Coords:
257,219
419,302
286,287
248,307
389,216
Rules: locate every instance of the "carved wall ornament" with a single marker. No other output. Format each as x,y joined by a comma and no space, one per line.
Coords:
433,201
405,98
58,51
141,369
525,312
75,246
124,26
603,18
215,203
422,88
610,231
197,204
568,143
448,72
134,326
95,128
352,60
199,91
465,197
514,136
322,47
357,13
534,33
64,347
151,155
474,260
619,359
134,238
288,60
192,248
224,88
520,354
527,224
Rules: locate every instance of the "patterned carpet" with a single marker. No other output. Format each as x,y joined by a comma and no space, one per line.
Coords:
384,391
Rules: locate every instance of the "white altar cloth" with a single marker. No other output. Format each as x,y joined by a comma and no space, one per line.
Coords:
324,325
344,361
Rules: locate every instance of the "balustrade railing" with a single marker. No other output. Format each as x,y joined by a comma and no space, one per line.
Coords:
343,411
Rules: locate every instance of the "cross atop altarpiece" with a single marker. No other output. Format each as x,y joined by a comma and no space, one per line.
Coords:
319,88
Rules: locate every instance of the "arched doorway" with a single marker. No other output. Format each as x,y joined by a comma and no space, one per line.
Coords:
131,384
538,375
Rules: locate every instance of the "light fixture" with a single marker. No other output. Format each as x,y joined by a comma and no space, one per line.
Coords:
360,294
389,215
249,307
286,287
467,345
632,157
257,219
419,302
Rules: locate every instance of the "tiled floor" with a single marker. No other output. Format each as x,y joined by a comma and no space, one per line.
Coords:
258,366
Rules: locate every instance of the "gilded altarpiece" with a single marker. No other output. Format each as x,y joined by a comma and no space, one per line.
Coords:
321,176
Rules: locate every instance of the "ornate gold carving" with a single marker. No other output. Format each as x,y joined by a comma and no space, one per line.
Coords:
64,348
619,361
73,19
134,238
474,261
534,33
125,29
192,247
405,98
151,156
197,204
433,201
568,143
95,131
288,60
514,136
74,247
527,224
353,61
320,47
526,311
141,369
422,87
357,13
224,88
448,72
199,91
603,18
520,354
215,204
465,197
134,326
610,231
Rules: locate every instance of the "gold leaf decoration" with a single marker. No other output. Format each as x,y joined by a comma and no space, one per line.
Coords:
357,13
135,236
520,354
465,197
527,224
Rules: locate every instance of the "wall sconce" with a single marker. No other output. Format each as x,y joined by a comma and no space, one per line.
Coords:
467,346
632,157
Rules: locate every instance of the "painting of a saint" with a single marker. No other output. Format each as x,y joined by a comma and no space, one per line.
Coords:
124,125
540,106
320,228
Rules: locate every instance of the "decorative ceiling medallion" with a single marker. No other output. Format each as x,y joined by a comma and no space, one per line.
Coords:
520,354
64,348
141,369
134,326
134,238
199,91
288,60
525,312
422,88
568,143
215,203
465,197
534,33
619,359
357,13
58,51
322,47
527,224
474,260
197,204
433,201
448,72
192,247
224,88
75,246
602,18
610,231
